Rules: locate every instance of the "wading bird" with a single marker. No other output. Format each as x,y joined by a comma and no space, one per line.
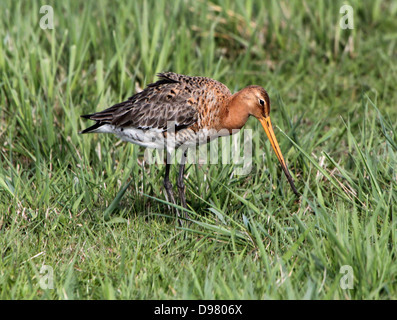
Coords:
183,111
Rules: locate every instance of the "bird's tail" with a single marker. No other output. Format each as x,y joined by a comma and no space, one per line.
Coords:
93,128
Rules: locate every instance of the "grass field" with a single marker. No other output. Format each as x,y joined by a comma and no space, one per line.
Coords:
92,211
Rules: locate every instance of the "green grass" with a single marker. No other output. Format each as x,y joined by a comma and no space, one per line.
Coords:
90,207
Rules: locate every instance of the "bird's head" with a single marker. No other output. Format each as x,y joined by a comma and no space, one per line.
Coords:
257,103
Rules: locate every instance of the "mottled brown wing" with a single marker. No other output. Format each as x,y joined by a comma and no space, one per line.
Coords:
165,100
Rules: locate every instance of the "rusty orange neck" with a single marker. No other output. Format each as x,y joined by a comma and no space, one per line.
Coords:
234,113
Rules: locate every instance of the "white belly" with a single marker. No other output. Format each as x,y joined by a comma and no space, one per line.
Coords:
155,138
145,138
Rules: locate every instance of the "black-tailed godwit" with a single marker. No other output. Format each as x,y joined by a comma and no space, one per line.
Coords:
183,111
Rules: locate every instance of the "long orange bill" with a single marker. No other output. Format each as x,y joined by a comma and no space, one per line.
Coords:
267,125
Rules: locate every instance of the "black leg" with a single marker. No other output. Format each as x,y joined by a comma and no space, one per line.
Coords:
180,183
167,182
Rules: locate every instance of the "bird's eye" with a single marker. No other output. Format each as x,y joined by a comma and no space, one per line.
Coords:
261,102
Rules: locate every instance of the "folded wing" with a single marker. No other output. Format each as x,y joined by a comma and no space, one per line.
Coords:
167,100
